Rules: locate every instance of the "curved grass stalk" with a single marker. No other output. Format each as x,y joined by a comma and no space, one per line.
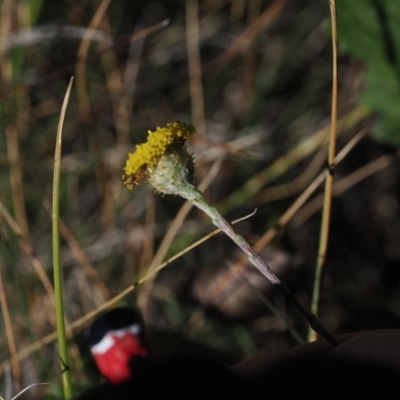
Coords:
57,269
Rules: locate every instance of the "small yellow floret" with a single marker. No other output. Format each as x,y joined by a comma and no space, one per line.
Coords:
148,154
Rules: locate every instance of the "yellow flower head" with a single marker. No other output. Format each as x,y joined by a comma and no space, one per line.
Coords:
147,155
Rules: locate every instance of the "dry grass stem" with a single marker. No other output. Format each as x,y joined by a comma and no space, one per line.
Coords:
81,257
12,347
288,160
274,193
246,38
343,185
194,62
85,108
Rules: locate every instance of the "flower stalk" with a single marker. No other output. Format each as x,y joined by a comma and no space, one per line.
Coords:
171,171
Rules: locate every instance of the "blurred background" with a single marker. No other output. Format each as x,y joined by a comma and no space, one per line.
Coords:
254,77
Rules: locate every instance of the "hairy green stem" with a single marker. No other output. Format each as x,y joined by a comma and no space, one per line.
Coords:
192,194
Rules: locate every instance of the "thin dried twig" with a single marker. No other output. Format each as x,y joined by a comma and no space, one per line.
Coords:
274,193
87,118
343,185
242,41
81,256
10,333
27,388
291,158
195,81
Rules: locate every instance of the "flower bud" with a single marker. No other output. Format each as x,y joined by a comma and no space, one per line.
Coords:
163,160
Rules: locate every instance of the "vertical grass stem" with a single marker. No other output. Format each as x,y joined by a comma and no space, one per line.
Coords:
57,269
328,194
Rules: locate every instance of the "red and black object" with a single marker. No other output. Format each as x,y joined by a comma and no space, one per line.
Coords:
121,348
119,344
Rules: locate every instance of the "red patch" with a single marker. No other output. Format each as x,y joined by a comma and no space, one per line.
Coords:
114,363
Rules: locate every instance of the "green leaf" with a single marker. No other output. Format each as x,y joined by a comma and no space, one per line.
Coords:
35,6
370,31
